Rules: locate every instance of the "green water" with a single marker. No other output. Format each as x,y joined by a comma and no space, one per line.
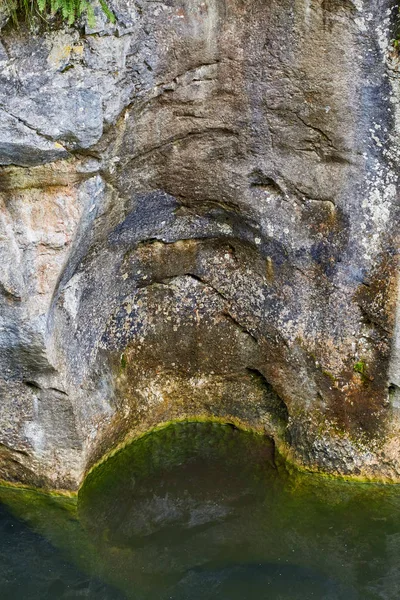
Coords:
202,511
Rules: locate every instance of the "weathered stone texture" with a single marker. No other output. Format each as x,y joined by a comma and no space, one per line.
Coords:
199,216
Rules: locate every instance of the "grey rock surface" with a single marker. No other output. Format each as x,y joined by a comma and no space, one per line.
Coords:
199,212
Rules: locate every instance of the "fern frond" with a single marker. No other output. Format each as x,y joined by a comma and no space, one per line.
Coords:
68,10
42,5
91,17
106,10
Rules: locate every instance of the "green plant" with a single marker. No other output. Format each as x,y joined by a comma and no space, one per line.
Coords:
396,36
124,362
68,10
360,367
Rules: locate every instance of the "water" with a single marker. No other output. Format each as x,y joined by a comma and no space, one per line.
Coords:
202,511
31,568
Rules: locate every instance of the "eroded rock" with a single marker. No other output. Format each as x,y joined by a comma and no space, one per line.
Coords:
199,216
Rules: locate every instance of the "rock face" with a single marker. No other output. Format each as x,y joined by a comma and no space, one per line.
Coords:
199,214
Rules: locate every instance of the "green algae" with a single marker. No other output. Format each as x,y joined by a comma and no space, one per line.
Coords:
169,446
206,418
330,375
200,497
55,517
285,504
59,519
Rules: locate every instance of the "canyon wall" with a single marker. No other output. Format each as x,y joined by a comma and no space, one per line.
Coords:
199,212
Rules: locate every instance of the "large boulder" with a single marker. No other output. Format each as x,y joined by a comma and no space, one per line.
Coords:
199,210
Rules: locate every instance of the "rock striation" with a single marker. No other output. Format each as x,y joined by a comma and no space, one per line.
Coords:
199,211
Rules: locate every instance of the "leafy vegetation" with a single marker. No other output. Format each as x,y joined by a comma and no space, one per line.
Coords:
360,367
396,37
69,11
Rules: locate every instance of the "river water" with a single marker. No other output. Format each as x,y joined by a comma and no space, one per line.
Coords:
202,511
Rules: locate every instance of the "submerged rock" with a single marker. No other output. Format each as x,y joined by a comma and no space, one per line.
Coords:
31,567
199,510
199,210
260,581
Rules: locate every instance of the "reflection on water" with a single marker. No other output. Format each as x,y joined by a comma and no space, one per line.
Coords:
30,568
201,511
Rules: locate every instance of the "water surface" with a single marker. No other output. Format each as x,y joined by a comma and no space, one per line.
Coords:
202,511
